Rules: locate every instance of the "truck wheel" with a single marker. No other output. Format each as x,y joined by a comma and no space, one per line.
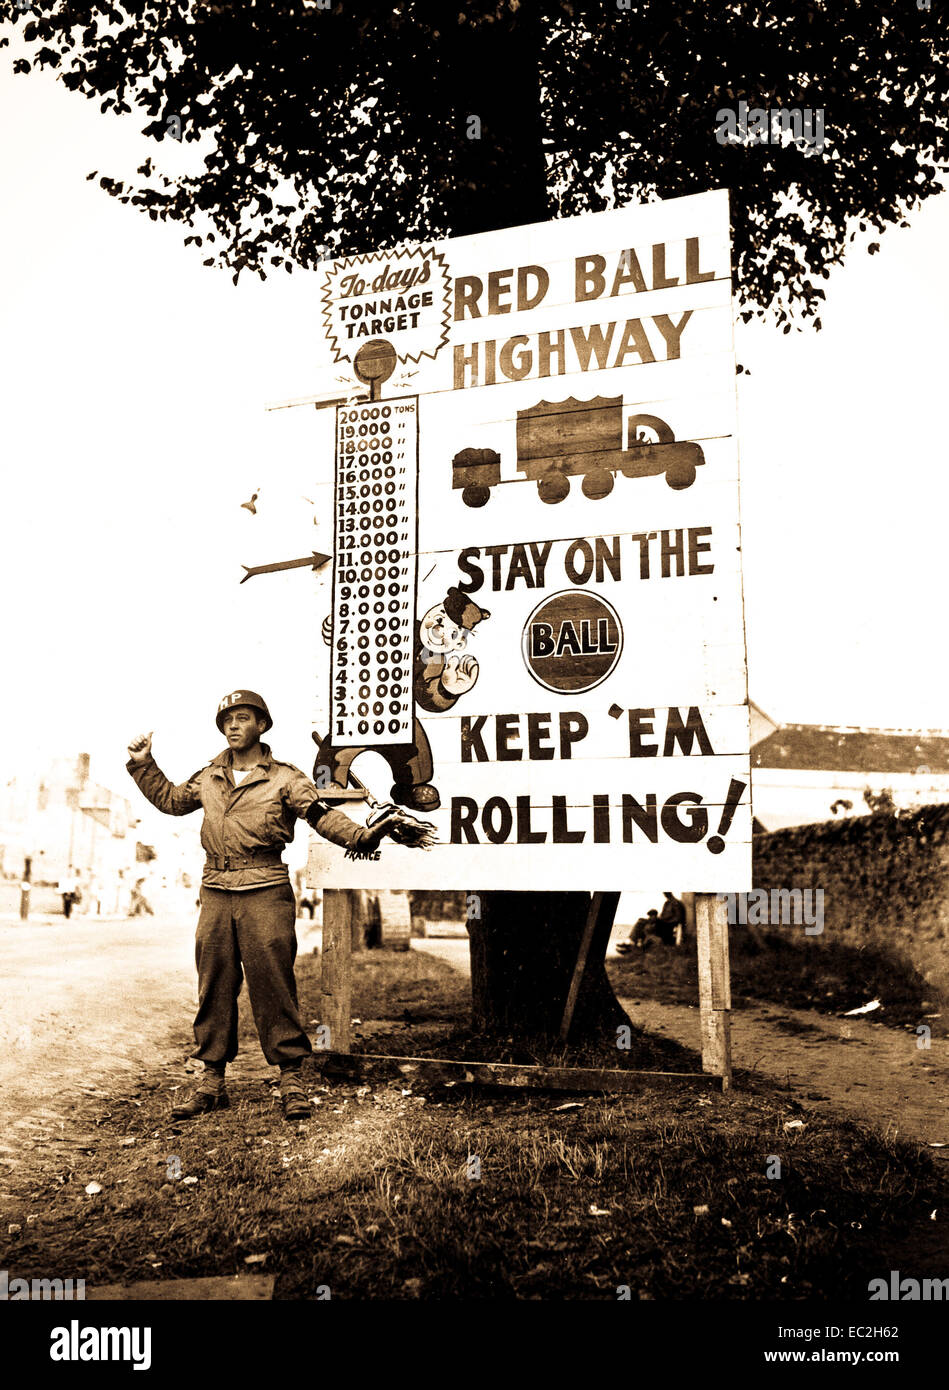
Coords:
597,484
474,495
553,488
681,477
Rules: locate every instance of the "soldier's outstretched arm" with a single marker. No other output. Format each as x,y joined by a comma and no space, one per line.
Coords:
337,827
174,800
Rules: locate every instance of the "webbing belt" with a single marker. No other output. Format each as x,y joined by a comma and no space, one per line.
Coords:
225,862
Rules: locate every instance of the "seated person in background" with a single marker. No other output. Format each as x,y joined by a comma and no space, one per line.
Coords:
672,920
645,926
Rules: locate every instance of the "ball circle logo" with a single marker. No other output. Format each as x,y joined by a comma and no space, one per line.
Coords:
572,641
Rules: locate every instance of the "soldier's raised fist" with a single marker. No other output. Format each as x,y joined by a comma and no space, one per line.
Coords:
140,748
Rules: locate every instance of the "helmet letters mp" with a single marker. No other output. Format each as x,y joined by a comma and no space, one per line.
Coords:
242,697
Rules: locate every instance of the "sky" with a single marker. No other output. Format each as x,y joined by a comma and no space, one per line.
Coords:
133,385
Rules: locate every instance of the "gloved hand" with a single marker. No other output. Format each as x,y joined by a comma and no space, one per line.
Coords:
401,827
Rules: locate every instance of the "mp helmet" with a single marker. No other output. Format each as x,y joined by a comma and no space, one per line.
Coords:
242,697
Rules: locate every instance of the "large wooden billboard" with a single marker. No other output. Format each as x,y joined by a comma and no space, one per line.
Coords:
535,634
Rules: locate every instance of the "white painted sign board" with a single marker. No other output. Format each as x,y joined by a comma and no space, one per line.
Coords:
537,635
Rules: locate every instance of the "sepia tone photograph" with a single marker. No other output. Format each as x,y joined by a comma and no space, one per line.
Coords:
474,808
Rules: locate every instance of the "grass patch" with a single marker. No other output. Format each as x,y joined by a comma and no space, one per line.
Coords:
400,986
428,1005
808,974
378,1196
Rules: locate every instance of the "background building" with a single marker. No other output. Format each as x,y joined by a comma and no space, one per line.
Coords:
60,820
805,773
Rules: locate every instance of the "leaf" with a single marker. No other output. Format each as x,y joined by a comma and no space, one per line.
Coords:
255,1259
863,1009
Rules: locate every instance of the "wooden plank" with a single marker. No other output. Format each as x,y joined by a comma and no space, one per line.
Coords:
358,1066
576,978
688,902
596,933
248,1288
711,930
336,1004
726,726
615,864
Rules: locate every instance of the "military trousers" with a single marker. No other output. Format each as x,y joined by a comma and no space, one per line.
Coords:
252,934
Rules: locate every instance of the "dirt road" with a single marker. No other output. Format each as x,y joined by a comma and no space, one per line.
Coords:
85,1005
850,1065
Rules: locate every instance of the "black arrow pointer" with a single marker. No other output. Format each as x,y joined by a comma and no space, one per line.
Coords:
315,561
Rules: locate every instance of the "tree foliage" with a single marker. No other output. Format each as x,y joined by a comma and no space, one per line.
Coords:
339,129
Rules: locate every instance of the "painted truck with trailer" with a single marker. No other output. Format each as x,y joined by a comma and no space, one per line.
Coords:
558,440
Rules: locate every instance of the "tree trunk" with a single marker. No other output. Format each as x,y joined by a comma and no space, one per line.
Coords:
523,951
523,945
495,173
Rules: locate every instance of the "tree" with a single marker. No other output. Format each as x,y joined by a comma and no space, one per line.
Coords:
329,127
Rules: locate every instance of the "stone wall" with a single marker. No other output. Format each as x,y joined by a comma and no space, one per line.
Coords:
885,879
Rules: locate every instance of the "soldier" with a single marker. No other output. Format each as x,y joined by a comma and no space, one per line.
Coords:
250,802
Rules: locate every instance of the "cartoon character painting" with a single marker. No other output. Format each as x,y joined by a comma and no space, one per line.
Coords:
442,673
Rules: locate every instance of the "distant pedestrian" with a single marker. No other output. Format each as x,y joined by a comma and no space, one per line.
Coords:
140,906
91,897
122,895
69,889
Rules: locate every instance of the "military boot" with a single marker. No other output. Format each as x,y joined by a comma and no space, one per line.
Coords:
293,1097
201,1102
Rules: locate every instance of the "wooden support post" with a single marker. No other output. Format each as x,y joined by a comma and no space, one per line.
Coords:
336,1005
688,902
715,1000
596,933
360,914
362,1066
